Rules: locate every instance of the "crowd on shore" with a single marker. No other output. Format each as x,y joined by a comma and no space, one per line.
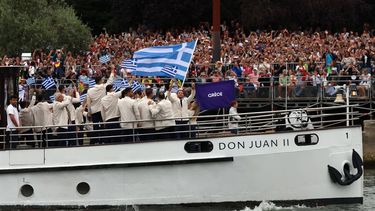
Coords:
308,57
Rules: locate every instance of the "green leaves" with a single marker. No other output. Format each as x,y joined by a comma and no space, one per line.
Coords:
26,25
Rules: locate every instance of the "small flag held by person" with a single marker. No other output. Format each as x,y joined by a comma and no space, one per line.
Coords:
82,97
48,83
120,83
30,81
169,71
104,59
136,86
52,98
129,64
92,82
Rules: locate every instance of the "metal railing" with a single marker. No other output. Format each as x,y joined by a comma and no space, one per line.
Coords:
207,126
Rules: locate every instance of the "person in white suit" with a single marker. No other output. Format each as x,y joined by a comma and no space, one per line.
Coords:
94,96
147,126
180,105
163,114
61,119
111,114
233,117
129,112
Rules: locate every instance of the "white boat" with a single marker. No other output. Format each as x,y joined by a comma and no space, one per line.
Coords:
316,166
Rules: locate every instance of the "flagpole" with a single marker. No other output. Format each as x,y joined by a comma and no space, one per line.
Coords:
183,82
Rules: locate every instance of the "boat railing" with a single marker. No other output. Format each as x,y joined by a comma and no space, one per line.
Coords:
206,126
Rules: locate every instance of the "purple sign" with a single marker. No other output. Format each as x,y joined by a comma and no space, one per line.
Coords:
215,95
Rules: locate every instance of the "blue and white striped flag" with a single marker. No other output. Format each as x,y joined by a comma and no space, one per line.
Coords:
21,93
120,83
129,64
30,81
136,86
169,71
52,98
48,83
92,82
151,61
82,97
104,59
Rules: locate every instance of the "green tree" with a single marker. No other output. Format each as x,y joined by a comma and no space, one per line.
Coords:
27,25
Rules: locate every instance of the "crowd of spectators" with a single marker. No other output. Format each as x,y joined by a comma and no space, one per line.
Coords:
293,58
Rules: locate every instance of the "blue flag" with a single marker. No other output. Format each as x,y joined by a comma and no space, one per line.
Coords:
120,83
30,81
92,83
52,98
48,83
129,64
82,97
169,71
151,61
104,59
136,86
215,95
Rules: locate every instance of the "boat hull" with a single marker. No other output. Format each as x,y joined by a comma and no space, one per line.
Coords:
249,168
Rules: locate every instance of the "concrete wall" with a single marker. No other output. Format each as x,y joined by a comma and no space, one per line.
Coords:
369,143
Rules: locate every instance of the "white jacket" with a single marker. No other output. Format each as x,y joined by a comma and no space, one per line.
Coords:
60,113
162,111
109,106
95,94
178,109
128,112
42,114
233,118
145,113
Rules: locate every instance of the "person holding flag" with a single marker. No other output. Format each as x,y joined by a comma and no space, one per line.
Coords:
180,105
94,96
110,112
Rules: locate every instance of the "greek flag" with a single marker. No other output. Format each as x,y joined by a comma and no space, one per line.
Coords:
151,61
129,64
82,97
52,98
119,84
21,93
104,59
92,82
48,83
136,86
169,71
30,81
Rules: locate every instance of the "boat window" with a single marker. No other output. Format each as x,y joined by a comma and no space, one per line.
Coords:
306,139
27,190
83,188
198,146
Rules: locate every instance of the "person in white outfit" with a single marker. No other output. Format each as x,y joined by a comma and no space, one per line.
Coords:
71,111
147,126
61,119
180,105
163,114
233,117
111,114
13,121
193,113
128,112
27,120
42,115
94,96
